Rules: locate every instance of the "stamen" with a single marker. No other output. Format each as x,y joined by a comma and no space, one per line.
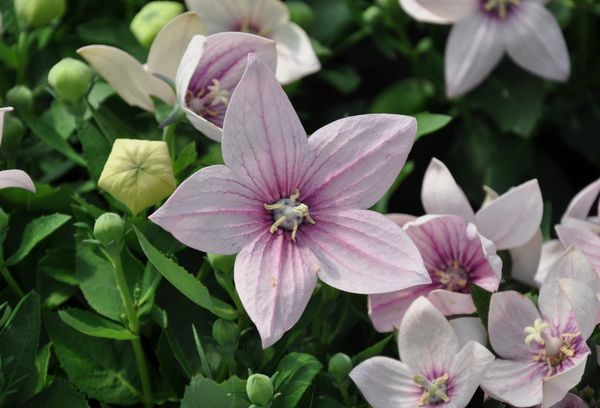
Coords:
277,224
295,196
434,391
289,214
219,96
272,207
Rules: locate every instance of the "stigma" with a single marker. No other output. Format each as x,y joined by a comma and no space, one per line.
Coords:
289,214
435,392
500,7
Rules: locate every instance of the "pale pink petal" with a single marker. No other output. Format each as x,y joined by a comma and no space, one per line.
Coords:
558,386
127,76
171,42
296,56
401,219
510,313
264,143
356,160
571,401
526,260
275,279
2,112
212,212
535,41
386,310
551,251
584,240
513,218
466,372
420,13
362,251
473,50
452,303
451,11
573,264
441,195
490,196
469,329
581,205
518,383
16,178
426,341
386,383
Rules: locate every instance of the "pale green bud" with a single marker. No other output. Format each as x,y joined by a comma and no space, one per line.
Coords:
109,229
340,366
152,18
71,79
20,97
38,13
259,389
14,130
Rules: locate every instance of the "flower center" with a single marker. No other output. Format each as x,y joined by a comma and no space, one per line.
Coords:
289,214
454,278
246,26
210,101
435,392
500,8
555,349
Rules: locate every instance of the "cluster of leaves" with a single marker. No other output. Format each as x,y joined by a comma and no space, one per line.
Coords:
65,334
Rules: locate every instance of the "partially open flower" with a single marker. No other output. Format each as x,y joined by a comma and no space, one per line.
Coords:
138,173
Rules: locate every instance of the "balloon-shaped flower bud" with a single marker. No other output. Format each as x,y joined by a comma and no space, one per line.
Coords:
340,366
301,13
226,334
71,79
38,13
259,389
138,173
152,18
14,130
20,97
109,229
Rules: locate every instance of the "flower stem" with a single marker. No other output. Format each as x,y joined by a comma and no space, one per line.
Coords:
12,283
22,55
169,137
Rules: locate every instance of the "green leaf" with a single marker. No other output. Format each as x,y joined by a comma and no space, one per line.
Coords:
296,373
18,349
346,80
42,361
428,123
404,97
481,299
34,233
192,288
96,149
93,325
186,158
203,392
375,350
60,394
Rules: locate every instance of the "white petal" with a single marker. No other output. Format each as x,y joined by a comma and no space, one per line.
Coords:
420,13
526,260
466,372
551,251
518,383
558,386
581,205
451,11
296,56
469,329
16,178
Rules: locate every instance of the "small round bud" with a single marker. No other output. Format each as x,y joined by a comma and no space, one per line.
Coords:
71,79
372,15
20,97
340,366
109,228
38,13
152,18
14,130
226,334
301,13
259,389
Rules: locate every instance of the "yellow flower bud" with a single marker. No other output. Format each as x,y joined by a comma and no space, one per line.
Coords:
138,173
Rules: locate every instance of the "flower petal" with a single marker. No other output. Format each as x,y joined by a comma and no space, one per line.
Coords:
362,251
466,372
510,313
2,112
356,160
212,212
526,260
451,11
386,383
581,205
171,42
426,341
441,195
264,143
401,219
558,386
469,329
452,303
386,310
573,264
473,50
296,56
517,383
275,279
420,13
571,401
551,251
16,178
535,41
513,218
126,76
582,239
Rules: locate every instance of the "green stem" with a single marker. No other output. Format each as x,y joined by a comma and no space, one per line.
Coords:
12,283
169,137
22,55
344,392
134,326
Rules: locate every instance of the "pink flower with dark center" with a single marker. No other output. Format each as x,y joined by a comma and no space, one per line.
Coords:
294,207
455,256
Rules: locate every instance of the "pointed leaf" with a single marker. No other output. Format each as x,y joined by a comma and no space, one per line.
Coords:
93,325
296,373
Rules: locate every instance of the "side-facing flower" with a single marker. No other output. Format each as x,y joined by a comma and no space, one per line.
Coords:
134,82
294,207
484,30
296,57
455,256
433,370
210,70
543,353
13,178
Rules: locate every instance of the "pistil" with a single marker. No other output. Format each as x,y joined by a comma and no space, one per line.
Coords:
555,350
454,278
289,214
435,391
501,7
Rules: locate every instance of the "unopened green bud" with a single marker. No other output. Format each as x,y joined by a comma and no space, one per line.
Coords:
301,13
109,228
226,334
20,97
71,79
14,130
259,389
38,13
372,15
152,18
3,225
340,366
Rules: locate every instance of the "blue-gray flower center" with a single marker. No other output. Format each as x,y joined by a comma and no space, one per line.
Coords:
434,392
289,214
